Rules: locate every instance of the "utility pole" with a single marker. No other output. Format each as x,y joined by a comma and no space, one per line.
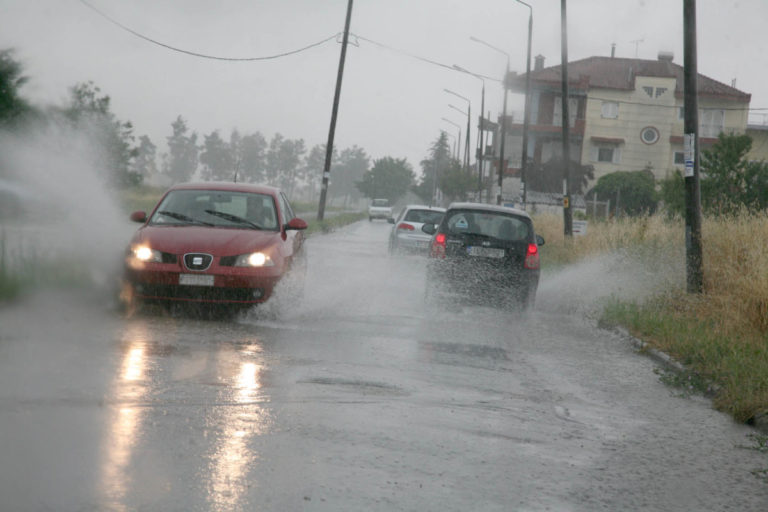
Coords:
567,214
334,113
502,166
481,152
527,110
693,245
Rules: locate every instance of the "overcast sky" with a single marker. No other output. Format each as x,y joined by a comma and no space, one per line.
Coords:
392,100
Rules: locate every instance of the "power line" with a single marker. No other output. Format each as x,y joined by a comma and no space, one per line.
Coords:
417,57
201,55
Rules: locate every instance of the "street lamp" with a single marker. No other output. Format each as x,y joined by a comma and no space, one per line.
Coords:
457,142
468,114
503,116
481,154
527,114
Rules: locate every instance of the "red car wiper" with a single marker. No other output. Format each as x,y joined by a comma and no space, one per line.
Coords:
234,218
184,218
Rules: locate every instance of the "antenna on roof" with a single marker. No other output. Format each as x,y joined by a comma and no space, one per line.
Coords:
637,44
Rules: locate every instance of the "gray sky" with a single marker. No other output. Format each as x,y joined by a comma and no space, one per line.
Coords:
391,103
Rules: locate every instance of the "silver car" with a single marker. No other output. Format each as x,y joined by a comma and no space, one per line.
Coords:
406,233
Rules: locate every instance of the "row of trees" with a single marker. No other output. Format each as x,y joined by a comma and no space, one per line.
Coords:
128,160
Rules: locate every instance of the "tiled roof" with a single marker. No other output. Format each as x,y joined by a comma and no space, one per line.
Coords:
620,73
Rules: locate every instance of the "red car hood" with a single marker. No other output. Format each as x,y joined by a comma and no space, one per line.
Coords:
214,241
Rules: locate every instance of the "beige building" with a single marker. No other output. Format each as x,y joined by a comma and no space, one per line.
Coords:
625,114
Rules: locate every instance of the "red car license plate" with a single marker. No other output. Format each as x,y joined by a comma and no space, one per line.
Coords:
196,279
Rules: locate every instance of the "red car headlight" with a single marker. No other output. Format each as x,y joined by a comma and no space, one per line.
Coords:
254,259
147,254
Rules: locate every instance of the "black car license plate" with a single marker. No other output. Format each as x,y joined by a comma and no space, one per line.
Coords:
485,252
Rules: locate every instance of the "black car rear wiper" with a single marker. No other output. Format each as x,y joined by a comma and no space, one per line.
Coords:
183,218
234,218
477,235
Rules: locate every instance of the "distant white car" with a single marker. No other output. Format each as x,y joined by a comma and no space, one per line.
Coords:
379,209
406,234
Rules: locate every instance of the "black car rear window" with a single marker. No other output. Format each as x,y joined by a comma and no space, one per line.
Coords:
496,224
424,216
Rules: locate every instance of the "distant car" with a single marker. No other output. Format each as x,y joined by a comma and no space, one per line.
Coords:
484,254
225,244
379,209
406,233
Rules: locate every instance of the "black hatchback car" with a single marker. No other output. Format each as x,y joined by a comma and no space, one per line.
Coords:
484,254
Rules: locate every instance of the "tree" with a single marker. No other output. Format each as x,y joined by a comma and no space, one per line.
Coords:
145,162
217,159
456,182
438,171
632,192
12,106
251,157
389,178
548,177
283,160
90,112
349,168
728,180
183,153
314,165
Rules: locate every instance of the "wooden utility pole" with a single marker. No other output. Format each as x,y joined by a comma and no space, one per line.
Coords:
567,213
693,245
334,113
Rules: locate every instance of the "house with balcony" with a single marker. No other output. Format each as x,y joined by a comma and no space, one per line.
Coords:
624,114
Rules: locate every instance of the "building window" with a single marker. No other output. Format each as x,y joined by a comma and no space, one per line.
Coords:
605,154
679,158
712,122
557,114
648,91
649,135
660,91
610,110
681,113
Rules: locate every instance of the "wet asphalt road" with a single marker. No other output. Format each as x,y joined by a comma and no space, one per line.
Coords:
356,399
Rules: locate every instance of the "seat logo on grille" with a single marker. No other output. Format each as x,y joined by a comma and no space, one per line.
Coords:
197,261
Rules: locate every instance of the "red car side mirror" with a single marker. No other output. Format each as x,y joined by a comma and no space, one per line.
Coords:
296,224
139,216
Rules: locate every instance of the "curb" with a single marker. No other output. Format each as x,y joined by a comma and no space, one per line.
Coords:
759,422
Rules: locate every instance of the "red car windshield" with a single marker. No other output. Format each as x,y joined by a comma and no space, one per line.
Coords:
217,208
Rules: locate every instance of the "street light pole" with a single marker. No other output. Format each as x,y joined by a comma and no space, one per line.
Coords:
527,114
469,114
457,144
503,115
481,152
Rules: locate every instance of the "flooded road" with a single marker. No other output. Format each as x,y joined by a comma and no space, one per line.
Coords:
355,399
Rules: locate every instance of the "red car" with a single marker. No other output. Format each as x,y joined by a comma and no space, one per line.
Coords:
214,243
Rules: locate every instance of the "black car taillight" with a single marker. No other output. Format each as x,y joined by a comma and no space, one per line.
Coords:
532,257
438,246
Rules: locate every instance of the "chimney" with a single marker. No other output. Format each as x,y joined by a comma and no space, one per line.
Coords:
539,64
613,50
666,56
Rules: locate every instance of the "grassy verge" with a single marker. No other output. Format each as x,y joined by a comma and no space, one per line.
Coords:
331,223
721,336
